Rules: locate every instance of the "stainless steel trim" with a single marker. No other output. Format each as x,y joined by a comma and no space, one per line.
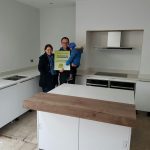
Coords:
97,84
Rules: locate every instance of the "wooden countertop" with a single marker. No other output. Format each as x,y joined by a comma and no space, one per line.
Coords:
92,109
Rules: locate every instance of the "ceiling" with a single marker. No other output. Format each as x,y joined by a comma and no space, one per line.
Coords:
47,3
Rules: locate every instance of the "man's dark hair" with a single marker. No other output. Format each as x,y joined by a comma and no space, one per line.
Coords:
65,38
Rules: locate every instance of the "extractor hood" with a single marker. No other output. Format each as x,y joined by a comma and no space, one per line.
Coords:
114,41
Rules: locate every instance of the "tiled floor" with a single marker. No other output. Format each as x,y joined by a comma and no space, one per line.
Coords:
141,133
21,134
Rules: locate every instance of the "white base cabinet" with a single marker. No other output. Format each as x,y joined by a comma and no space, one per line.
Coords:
142,96
81,80
59,132
12,97
95,135
8,104
27,89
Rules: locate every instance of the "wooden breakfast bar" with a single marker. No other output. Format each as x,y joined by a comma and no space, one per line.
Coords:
78,117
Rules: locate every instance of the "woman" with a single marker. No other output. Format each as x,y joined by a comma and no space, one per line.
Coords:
48,76
64,75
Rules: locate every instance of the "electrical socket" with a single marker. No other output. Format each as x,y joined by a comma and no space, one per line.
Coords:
31,60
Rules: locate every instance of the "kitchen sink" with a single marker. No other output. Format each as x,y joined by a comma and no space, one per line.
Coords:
15,77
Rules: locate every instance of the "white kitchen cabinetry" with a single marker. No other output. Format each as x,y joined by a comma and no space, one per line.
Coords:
27,89
81,80
142,96
8,104
12,97
60,132
95,135
57,132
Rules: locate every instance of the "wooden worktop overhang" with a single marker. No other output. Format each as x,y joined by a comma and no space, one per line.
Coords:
92,109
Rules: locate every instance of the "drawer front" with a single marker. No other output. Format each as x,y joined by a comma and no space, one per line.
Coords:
98,83
122,85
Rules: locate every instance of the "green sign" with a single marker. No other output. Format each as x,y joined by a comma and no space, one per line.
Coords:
60,60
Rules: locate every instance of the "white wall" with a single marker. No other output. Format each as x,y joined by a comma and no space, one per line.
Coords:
56,22
114,15
19,35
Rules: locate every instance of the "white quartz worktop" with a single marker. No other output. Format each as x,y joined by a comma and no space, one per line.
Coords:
107,94
144,77
132,77
31,73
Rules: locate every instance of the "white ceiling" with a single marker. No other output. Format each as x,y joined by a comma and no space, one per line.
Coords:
46,3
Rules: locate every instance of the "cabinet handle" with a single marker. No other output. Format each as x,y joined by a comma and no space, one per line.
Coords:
122,87
100,85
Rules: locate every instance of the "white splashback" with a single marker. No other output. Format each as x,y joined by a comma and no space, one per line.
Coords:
114,59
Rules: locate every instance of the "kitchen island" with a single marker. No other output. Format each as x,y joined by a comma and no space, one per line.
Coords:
78,117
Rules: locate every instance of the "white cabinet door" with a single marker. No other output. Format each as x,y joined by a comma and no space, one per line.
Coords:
142,96
81,80
95,135
57,132
27,89
8,104
12,98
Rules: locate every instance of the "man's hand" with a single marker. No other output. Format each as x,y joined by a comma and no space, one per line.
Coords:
73,65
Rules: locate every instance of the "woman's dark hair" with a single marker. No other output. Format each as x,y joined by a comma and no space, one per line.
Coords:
65,38
48,45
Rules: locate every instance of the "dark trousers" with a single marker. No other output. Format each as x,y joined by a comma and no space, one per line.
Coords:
63,77
73,71
51,83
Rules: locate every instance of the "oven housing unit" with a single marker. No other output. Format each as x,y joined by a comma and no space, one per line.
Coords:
111,84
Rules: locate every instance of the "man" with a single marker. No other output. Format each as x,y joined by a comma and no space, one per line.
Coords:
64,74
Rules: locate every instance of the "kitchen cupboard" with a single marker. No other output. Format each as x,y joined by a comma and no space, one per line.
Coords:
64,132
142,96
58,132
95,135
8,104
12,97
27,89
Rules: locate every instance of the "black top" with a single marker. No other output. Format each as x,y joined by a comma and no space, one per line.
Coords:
43,65
62,49
44,69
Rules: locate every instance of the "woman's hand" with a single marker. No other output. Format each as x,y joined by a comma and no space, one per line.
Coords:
62,70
